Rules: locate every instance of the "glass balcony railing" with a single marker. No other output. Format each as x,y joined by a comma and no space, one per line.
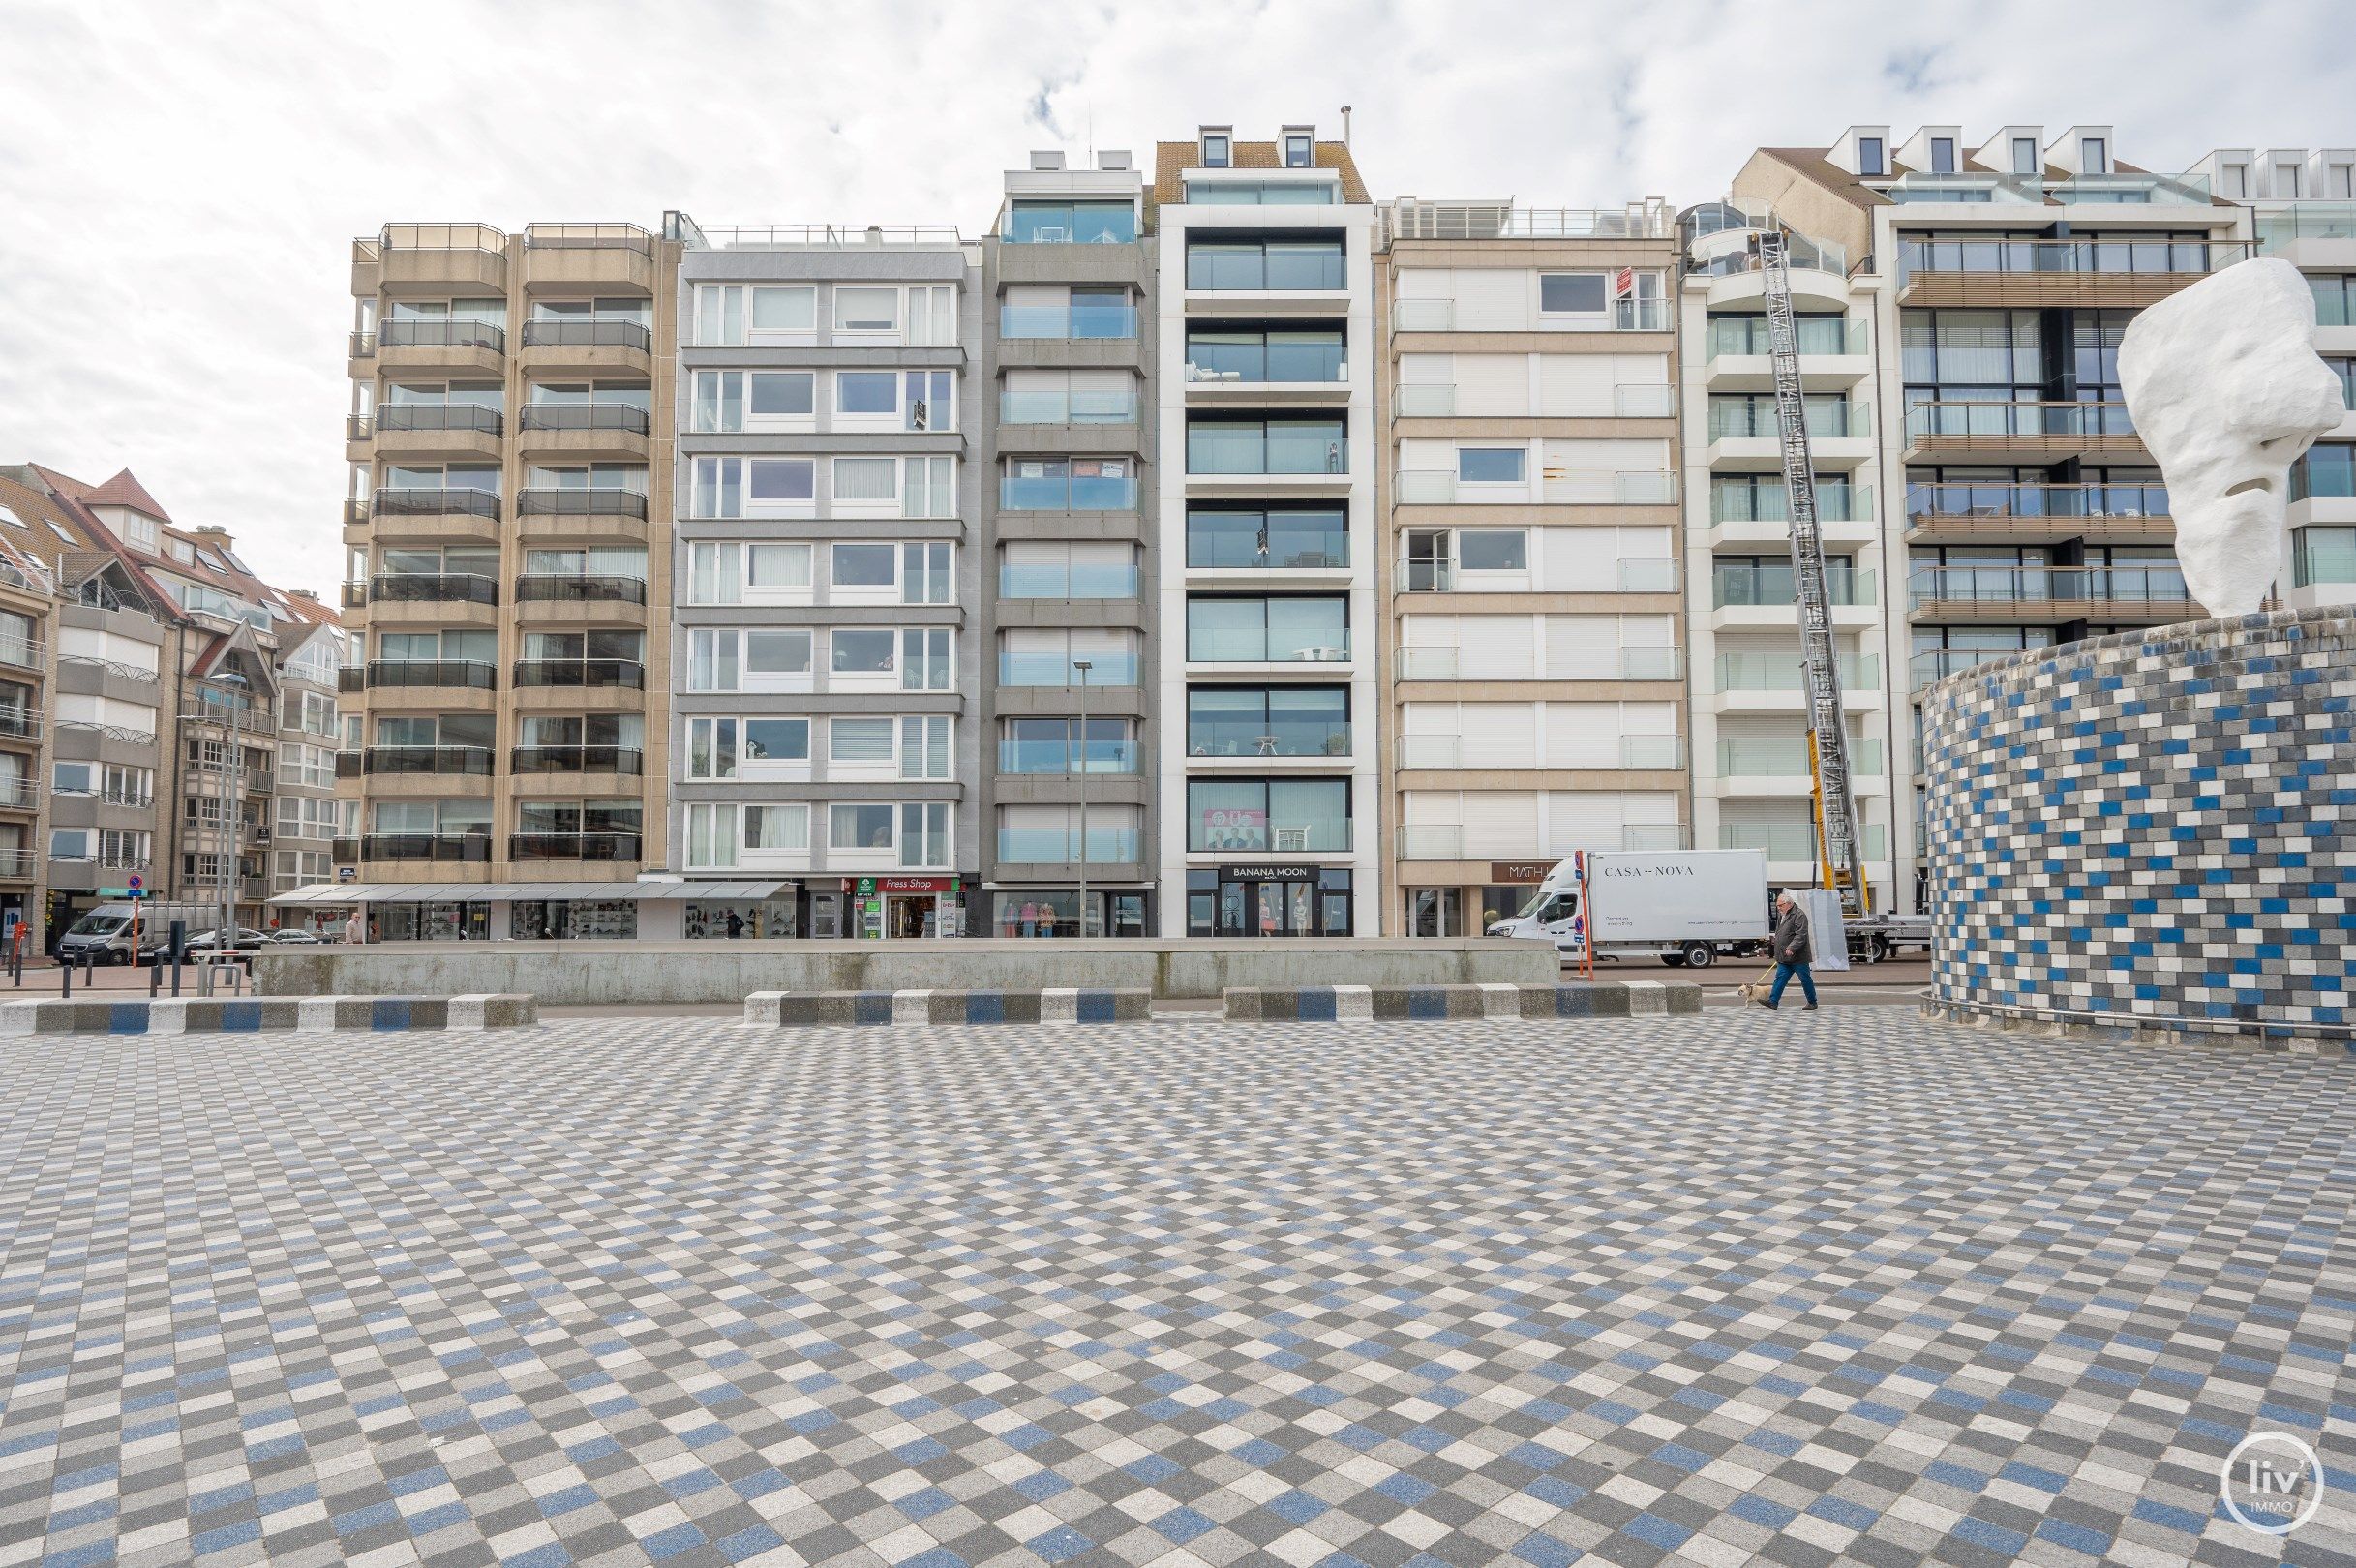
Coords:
1054,488
1836,501
1284,544
1106,669
2306,220
1060,846
1272,736
1774,586
1814,256
1977,189
1814,335
2135,189
2043,584
1278,644
1061,758
1052,407
1937,663
1778,673
1066,321
1998,499
1754,418
1787,757
1793,841
1213,450
2124,254
1316,360
1973,417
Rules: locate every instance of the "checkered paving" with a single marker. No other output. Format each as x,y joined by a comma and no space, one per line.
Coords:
1850,1287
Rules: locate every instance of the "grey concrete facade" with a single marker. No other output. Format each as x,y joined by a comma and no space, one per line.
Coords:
1020,426
821,894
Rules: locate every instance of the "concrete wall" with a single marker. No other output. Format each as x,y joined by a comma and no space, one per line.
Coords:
584,974
2149,829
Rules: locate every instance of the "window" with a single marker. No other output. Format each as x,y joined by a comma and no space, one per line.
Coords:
1215,150
776,739
1264,815
724,399
867,309
856,740
1067,485
931,400
925,662
1238,630
1493,549
1267,721
1263,193
1306,538
1050,835
867,392
2094,156
777,828
924,834
2329,468
1055,745
1869,155
1943,155
1573,293
866,479
1216,446
2320,556
1060,569
1277,265
864,565
1300,151
712,749
924,752
1048,656
140,530
1492,464
861,826
786,310
1266,354
929,487
711,837
860,650
2024,155
2236,181
739,487
924,577
1069,397
1071,223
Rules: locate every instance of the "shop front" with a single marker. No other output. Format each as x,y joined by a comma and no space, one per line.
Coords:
900,908
1468,908
1275,901
1056,912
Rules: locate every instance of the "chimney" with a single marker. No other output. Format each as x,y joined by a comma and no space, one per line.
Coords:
302,593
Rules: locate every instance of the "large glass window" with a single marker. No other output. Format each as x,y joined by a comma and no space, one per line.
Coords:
1573,293
2329,468
1031,222
1069,485
1223,630
1274,265
1055,745
1258,815
1047,834
1047,655
1061,569
1069,397
1267,447
1252,537
1492,464
2320,556
1314,354
1267,721
2335,297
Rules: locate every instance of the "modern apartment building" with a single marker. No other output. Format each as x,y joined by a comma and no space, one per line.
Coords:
1532,599
827,678
191,720
29,609
1993,278
1070,566
2300,207
510,537
1270,809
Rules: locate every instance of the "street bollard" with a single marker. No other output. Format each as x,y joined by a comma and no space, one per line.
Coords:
65,970
179,937
155,975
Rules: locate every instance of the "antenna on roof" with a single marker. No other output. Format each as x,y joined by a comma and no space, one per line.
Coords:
1345,125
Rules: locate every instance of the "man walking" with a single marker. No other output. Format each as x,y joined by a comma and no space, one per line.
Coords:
1792,952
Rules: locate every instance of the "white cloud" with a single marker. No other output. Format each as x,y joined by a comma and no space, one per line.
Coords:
179,184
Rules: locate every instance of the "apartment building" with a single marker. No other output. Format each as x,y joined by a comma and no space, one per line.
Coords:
2300,207
827,673
510,550
1072,568
33,533
169,665
1270,810
1994,277
1532,599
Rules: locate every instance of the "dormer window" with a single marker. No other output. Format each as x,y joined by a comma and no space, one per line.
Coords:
1869,156
2094,156
2344,182
2287,180
1300,150
1943,155
1214,153
2024,155
2237,179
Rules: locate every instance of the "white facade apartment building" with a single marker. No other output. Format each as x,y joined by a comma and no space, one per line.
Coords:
1270,796
1531,552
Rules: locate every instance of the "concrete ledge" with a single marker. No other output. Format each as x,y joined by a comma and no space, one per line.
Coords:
772,1010
1337,1004
247,1016
2328,1044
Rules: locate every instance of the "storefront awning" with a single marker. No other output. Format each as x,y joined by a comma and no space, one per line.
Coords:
454,892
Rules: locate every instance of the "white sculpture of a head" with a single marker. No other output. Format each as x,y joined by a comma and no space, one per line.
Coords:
2226,388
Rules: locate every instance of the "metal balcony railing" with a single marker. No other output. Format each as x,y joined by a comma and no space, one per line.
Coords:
588,238
417,501
432,587
2109,255
1264,738
567,587
621,416
1069,322
576,334
477,674
472,847
629,672
1978,417
2039,585
430,417
19,723
442,332
576,759
24,653
2032,501
572,846
475,759
1774,586
567,500
19,794
20,864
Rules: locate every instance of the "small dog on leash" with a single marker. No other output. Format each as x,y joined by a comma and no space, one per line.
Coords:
1757,990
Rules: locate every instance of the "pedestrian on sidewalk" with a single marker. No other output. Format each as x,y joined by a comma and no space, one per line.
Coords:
1792,952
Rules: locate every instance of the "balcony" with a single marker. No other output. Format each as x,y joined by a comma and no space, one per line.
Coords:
627,674
573,846
2120,272
437,502
1056,759
1966,513
1662,662
1937,664
1744,514
1638,752
445,344
24,653
468,848
1440,487
1777,588
1051,490
573,502
19,795
592,429
2049,595
1741,419
428,587
467,674
460,255
1047,406
427,431
576,759
1789,758
375,759
1775,676
1991,431
1793,843
1066,323
592,344
1260,740
568,588
1333,647
617,258
1834,352
24,865
1409,219
1427,399
1442,315
21,724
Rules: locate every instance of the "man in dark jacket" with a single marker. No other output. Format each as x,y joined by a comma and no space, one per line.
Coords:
1792,952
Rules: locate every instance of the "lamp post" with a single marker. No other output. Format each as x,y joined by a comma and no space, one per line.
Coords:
1083,666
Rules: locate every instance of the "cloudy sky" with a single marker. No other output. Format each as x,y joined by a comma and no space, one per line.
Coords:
180,180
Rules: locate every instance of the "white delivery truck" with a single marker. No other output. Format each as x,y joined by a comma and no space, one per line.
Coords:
1688,907
104,933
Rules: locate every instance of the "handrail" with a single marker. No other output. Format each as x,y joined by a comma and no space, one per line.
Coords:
425,759
440,332
479,674
545,334
442,237
584,672
828,236
580,588
587,416
588,238
414,501
422,587
576,846
430,416
576,759
128,671
565,501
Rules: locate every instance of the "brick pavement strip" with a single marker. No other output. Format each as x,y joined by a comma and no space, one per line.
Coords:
1855,1286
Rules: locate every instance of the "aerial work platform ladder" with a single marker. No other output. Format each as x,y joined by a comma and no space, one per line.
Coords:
1839,852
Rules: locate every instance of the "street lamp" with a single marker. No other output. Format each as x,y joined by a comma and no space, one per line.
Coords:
1083,666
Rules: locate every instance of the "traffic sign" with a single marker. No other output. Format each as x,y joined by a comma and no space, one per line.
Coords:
138,882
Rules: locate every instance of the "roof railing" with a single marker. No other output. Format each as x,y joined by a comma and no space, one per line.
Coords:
1407,218
588,238
813,236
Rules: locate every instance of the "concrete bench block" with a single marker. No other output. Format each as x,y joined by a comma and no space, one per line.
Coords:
511,1009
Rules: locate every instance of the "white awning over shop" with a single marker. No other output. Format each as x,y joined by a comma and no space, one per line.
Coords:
455,892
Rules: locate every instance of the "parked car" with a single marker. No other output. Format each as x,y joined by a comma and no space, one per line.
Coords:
245,940
296,936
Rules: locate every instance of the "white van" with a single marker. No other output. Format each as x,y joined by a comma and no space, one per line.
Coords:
104,934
